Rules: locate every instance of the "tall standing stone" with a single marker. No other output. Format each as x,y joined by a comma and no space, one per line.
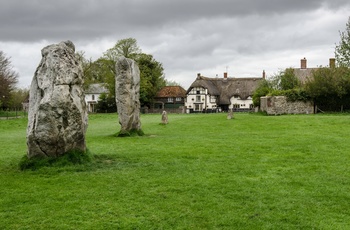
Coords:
57,117
127,92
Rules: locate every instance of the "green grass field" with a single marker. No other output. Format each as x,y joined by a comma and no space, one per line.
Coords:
201,171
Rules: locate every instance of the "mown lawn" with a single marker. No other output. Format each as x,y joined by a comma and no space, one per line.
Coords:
201,171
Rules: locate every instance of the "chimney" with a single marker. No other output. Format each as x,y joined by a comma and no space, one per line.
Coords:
198,75
263,74
332,63
225,74
303,64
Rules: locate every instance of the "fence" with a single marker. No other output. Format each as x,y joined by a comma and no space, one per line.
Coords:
12,113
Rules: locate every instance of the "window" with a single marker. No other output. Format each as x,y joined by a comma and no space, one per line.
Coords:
178,99
197,107
170,99
93,97
212,99
198,98
197,90
236,106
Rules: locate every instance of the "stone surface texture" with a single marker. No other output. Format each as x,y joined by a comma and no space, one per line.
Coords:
57,117
127,91
277,105
230,114
164,118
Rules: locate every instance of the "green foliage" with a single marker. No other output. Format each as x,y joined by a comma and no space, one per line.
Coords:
18,96
8,80
125,47
330,87
285,83
70,158
284,80
106,104
297,94
262,90
288,80
152,80
103,70
342,51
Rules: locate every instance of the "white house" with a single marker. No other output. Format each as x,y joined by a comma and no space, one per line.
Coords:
221,94
92,95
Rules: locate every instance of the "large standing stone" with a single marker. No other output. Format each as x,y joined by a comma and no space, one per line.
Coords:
57,117
127,92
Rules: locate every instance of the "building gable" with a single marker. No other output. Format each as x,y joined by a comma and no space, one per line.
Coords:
171,91
225,88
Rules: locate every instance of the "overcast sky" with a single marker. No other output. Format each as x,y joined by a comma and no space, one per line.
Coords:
188,37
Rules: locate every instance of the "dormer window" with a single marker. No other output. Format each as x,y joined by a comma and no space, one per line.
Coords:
198,90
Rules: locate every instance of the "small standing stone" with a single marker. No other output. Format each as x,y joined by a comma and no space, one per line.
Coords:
164,118
230,115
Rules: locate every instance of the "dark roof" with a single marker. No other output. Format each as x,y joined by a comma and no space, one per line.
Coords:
304,74
97,88
226,88
171,91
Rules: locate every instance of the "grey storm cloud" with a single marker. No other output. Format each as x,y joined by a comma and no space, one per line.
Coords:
187,36
79,19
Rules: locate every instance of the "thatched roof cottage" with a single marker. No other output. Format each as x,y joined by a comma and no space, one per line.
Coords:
221,94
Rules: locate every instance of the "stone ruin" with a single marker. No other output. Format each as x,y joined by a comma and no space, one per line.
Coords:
127,95
164,118
57,117
277,105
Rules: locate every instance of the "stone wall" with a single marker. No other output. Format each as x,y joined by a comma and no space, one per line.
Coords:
279,105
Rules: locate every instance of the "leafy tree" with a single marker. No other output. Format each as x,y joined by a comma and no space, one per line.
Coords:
171,83
8,80
288,80
262,90
87,71
151,71
152,80
330,88
103,70
125,47
18,96
342,51
106,104
284,83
